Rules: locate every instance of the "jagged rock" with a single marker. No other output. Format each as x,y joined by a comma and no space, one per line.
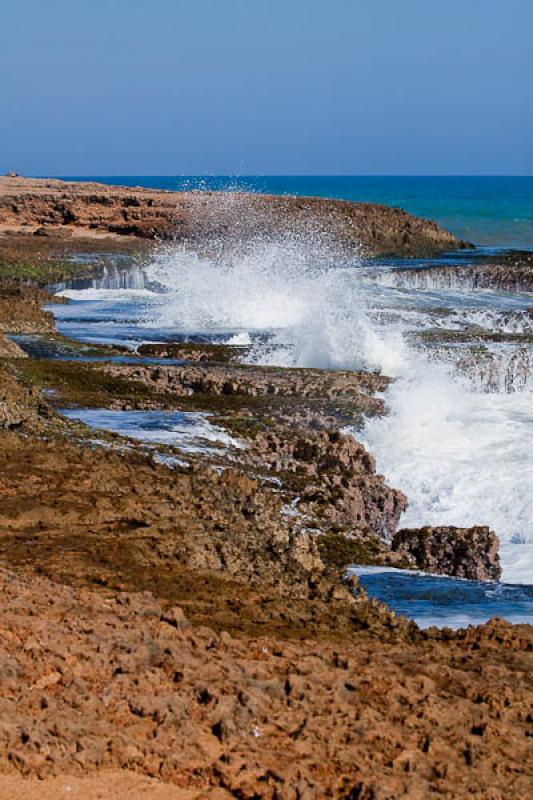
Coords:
341,487
462,552
21,308
91,682
253,381
331,474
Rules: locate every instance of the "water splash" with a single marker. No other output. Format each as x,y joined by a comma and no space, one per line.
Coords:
462,454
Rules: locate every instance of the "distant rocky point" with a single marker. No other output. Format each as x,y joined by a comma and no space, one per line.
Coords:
29,205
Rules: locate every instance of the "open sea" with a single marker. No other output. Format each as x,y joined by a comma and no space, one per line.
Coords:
458,439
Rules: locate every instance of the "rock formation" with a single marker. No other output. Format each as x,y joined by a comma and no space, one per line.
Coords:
32,205
507,272
462,552
10,349
92,682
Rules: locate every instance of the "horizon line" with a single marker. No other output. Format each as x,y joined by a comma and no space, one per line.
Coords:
275,175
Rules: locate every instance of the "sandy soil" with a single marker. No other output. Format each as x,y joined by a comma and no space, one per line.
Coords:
107,785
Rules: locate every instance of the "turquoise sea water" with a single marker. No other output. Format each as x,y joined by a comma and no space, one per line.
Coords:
489,211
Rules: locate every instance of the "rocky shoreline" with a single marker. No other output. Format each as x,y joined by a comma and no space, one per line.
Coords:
51,207
190,623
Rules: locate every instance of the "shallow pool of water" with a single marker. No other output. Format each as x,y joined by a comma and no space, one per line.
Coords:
191,431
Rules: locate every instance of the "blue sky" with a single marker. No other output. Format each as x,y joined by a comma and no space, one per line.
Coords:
123,87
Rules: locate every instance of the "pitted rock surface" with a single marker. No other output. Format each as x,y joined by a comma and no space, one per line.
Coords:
471,553
92,683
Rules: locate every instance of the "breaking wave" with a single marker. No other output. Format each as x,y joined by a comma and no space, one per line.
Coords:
457,441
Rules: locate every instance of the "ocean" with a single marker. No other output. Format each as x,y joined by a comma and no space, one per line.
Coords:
487,211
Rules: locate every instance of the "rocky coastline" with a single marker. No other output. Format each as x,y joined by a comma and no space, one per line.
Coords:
191,625
51,207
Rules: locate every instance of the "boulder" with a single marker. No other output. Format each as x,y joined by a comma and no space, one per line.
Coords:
471,553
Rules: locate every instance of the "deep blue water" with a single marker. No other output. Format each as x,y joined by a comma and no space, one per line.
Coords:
434,600
489,211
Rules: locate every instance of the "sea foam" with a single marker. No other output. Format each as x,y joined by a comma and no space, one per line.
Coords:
461,454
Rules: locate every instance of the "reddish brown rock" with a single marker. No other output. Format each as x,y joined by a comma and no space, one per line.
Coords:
147,213
91,683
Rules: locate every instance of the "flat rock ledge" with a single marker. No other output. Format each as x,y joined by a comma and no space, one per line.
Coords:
471,553
41,206
508,272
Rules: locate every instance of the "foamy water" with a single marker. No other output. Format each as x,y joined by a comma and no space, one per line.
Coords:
191,431
460,452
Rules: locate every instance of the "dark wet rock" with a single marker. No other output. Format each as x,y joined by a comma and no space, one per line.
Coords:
221,353
471,553
512,272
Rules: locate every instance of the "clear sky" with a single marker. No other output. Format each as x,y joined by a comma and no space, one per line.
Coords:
124,87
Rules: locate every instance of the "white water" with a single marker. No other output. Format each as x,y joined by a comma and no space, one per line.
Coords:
462,455
191,431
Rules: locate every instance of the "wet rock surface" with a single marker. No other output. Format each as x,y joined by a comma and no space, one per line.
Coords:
194,352
471,553
509,272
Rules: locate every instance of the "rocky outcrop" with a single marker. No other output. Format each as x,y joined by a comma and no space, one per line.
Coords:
252,381
328,475
35,205
204,352
124,681
471,553
334,481
18,404
218,543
